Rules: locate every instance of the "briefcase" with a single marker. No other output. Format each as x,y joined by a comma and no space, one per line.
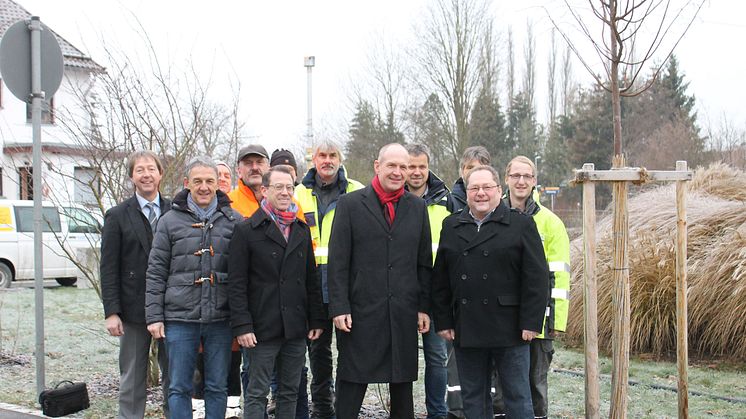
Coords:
65,398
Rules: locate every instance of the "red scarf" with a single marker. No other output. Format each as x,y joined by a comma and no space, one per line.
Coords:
387,199
283,219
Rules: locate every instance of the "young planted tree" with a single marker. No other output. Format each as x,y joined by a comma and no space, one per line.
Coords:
627,27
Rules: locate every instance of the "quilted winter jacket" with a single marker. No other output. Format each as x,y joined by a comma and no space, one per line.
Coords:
187,277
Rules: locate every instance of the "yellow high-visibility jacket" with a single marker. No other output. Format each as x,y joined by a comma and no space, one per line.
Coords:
320,236
557,250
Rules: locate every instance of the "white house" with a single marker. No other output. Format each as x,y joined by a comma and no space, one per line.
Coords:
65,171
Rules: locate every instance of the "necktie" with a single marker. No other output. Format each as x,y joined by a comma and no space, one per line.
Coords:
152,219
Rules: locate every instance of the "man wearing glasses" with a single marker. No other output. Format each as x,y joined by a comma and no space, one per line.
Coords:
275,295
490,288
521,179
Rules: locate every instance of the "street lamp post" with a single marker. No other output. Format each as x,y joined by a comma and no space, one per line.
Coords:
309,62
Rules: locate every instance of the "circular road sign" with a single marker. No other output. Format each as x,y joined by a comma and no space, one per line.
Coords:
15,60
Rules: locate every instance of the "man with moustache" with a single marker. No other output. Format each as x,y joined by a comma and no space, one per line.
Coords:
186,299
318,194
275,295
490,289
380,261
253,162
125,246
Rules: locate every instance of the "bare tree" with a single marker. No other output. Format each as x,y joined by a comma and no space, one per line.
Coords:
568,87
452,40
552,79
511,67
529,60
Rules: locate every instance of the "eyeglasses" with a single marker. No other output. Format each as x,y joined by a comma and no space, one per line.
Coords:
485,188
279,187
517,176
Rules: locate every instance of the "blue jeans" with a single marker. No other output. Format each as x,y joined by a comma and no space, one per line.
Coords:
475,372
182,343
436,375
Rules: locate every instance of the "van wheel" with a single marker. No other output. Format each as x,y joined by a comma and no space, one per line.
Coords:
6,276
67,282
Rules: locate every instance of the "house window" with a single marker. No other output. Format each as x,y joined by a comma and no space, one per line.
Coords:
47,112
87,185
26,183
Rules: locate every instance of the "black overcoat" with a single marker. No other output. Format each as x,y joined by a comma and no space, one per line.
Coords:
490,283
381,276
125,245
275,291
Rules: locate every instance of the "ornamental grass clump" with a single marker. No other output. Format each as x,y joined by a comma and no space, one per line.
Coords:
716,218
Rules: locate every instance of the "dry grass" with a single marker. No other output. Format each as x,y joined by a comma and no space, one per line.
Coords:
716,216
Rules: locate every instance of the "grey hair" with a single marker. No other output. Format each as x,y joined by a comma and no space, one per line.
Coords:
328,145
418,150
495,175
385,148
200,161
476,152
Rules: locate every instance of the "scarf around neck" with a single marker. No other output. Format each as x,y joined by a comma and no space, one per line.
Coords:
387,199
202,213
283,219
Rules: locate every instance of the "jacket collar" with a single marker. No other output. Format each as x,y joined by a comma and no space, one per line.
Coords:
532,204
179,202
260,218
490,227
309,180
371,202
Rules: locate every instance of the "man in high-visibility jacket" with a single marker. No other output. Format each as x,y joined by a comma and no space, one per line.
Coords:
317,194
423,183
520,176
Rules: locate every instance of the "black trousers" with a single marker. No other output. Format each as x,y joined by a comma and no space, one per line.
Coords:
350,399
322,384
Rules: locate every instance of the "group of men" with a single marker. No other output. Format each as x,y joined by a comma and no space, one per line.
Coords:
277,264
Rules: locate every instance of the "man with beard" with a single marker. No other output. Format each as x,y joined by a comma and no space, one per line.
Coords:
380,261
423,183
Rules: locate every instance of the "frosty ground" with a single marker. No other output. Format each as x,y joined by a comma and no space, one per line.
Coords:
78,349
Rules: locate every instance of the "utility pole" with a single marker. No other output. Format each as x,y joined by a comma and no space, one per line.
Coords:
309,62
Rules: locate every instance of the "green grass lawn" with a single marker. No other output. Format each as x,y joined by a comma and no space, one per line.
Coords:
78,348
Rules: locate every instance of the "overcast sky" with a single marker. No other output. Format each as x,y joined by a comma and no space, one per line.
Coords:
262,45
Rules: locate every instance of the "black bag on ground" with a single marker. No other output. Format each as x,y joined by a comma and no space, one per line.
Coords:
65,398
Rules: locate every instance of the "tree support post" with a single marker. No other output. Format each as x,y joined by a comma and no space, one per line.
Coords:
682,331
590,299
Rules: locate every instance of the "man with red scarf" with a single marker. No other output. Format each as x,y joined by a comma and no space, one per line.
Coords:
380,262
275,295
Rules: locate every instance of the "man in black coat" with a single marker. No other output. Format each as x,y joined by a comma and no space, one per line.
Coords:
275,295
380,260
490,288
125,246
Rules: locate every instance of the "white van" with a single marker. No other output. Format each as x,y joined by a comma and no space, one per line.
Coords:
66,229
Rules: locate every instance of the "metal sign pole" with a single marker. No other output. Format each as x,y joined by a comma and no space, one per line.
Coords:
36,97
